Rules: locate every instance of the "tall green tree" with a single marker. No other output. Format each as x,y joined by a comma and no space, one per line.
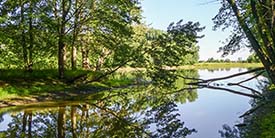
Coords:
26,37
169,49
106,47
253,24
18,27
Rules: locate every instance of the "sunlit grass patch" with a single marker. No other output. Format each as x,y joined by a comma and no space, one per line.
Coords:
5,94
40,82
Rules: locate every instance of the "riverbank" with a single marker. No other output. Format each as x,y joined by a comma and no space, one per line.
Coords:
18,87
204,65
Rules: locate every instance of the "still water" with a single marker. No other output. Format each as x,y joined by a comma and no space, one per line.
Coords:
145,111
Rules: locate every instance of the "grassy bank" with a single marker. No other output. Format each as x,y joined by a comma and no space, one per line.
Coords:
18,83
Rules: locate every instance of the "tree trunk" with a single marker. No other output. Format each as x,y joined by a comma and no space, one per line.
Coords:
254,43
61,42
75,34
85,58
23,37
73,57
73,120
30,61
30,125
24,122
61,57
61,122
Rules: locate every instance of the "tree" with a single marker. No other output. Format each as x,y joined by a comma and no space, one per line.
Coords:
253,24
169,48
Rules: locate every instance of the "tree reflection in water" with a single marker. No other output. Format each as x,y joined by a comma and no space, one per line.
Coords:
258,122
145,111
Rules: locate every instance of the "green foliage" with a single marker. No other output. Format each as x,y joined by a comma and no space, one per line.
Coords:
120,80
212,60
31,30
170,48
253,59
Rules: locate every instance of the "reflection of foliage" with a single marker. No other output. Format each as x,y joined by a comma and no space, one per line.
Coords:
259,122
186,92
96,120
41,125
128,112
167,123
229,132
1,118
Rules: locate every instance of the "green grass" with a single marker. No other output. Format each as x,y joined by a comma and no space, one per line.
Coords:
20,83
121,81
14,83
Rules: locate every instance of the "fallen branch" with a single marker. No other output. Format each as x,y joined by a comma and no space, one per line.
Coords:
229,90
234,75
252,90
206,83
247,79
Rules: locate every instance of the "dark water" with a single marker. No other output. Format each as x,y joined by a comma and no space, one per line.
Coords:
136,112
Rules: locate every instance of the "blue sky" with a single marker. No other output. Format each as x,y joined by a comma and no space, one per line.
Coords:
160,13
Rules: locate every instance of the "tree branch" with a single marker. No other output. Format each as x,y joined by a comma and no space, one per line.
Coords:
206,83
229,90
252,90
246,79
234,75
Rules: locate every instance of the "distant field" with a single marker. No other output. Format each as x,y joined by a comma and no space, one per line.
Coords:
203,66
221,65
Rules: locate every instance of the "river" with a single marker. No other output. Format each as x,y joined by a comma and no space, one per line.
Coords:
145,111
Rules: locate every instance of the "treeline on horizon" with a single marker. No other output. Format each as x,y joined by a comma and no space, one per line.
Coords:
250,59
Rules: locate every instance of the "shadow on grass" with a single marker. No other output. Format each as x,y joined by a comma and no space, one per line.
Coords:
18,87
21,83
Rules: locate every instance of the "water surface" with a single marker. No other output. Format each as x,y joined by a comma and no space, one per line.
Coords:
146,111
